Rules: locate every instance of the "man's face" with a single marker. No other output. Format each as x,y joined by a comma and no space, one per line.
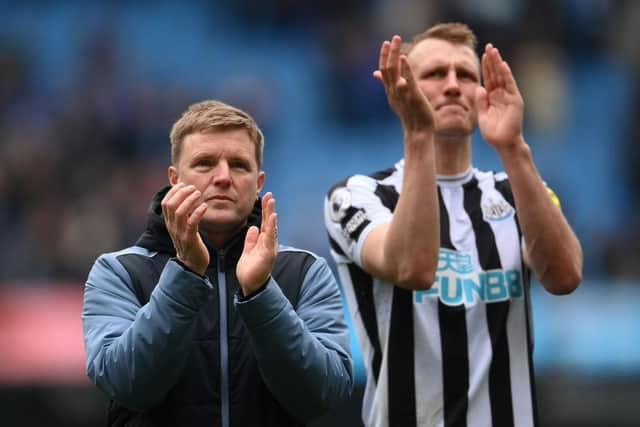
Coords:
222,165
448,75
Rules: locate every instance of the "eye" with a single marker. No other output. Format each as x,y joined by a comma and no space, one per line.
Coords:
467,75
202,164
240,165
434,74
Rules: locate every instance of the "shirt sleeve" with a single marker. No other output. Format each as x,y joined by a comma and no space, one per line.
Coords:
352,209
303,354
127,344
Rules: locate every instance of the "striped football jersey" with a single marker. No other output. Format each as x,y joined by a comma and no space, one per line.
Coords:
459,353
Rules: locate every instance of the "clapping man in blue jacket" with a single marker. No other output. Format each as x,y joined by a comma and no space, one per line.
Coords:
207,320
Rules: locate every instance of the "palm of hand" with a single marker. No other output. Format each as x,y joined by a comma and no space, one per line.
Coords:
260,249
413,108
501,122
256,263
403,94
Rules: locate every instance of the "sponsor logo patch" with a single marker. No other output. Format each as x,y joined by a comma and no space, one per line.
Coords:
456,282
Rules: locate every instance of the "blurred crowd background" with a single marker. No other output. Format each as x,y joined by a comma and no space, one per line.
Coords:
89,91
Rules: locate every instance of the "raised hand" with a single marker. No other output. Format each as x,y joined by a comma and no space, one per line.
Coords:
403,94
500,105
182,209
260,249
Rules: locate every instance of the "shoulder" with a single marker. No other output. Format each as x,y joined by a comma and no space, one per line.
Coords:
369,181
292,267
294,259
360,191
127,263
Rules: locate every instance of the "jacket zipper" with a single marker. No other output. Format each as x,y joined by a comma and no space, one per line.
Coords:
224,345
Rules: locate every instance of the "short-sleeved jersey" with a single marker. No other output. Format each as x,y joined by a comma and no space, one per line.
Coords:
459,353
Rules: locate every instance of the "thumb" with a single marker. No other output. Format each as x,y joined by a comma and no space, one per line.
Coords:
251,239
482,100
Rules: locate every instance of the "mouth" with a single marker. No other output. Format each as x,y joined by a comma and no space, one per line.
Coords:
219,198
451,104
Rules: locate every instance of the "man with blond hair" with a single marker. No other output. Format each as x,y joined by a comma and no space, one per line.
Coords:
435,255
207,320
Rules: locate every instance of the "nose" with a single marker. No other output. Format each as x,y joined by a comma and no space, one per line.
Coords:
452,86
221,174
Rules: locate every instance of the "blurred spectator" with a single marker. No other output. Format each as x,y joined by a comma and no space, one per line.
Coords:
66,156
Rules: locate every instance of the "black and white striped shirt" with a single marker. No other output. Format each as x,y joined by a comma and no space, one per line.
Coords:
460,353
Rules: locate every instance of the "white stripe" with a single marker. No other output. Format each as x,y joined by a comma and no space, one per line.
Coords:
479,341
507,239
428,363
365,345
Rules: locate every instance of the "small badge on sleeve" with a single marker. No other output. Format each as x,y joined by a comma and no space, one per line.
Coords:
339,203
554,197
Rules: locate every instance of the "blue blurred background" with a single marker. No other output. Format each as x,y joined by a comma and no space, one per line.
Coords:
89,91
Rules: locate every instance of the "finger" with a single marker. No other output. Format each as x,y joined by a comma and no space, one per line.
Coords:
384,55
510,81
167,197
173,190
487,74
187,205
268,210
251,239
492,61
273,220
265,203
196,216
178,197
499,70
407,72
482,102
484,72
393,63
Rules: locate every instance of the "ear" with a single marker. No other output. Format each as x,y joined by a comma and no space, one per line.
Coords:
172,173
261,178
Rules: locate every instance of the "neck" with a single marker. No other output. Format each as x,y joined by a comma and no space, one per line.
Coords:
219,237
453,155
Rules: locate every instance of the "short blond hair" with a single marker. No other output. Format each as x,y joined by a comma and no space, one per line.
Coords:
211,115
452,32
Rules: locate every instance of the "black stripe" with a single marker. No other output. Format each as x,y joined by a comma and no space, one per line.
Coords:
453,338
401,366
497,312
335,246
388,195
341,183
363,289
526,280
445,235
352,224
380,175
504,187
455,363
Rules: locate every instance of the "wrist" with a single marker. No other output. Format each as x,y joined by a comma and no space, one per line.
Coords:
418,137
189,268
247,293
418,144
199,270
515,149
